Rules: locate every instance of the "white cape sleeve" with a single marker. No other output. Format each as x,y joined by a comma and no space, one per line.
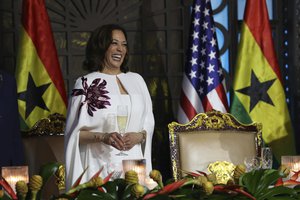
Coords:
73,163
148,125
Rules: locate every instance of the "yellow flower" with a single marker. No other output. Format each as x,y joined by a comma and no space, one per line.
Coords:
35,184
238,172
22,189
212,178
138,190
208,187
156,176
131,177
284,170
93,183
201,180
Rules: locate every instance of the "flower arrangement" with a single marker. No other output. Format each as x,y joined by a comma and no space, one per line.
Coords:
261,184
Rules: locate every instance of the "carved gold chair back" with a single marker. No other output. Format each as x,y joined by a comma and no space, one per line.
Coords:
211,137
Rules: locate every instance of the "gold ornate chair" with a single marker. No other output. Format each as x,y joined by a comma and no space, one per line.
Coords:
211,137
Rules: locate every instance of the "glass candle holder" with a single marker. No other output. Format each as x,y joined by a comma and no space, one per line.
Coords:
13,174
266,158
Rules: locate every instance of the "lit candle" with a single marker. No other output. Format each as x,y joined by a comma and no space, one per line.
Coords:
293,162
296,168
140,170
14,174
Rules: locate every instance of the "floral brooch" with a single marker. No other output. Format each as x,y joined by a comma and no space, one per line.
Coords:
95,95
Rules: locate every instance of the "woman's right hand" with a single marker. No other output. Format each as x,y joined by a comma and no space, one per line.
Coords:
114,139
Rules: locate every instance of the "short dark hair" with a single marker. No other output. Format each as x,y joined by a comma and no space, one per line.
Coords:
97,46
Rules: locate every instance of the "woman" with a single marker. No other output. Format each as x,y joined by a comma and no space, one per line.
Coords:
92,140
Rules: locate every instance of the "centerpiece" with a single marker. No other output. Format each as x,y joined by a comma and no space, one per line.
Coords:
258,184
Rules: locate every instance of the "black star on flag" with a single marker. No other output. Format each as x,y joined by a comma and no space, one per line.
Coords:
257,91
33,96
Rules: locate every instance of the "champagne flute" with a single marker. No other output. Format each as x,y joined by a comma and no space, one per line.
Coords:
122,115
110,123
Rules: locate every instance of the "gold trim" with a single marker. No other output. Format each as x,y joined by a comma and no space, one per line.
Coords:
223,171
60,177
54,124
213,120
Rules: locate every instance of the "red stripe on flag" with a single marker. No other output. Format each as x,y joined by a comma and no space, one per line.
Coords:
260,28
206,104
186,106
36,23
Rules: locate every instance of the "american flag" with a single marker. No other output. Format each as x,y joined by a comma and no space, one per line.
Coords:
203,86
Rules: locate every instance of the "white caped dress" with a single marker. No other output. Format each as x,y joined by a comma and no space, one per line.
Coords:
94,98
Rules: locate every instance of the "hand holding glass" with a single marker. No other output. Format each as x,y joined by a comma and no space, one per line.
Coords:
122,115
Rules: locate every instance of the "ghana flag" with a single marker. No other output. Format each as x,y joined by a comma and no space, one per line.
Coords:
41,89
258,89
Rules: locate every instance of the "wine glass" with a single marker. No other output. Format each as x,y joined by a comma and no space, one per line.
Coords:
122,115
252,163
116,169
267,158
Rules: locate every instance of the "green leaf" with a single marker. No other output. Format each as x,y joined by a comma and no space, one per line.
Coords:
280,191
111,188
61,196
126,194
250,180
258,181
118,189
46,171
161,197
5,197
268,179
93,194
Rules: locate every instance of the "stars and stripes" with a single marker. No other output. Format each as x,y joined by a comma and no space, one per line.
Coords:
203,86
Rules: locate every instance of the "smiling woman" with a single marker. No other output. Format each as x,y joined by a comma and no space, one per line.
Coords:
92,137
115,53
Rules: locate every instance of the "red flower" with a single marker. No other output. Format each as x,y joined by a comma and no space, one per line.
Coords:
291,181
167,189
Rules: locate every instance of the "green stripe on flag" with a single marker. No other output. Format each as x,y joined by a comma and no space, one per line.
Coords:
238,111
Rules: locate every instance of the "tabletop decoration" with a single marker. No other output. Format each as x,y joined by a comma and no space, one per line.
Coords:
258,184
223,170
